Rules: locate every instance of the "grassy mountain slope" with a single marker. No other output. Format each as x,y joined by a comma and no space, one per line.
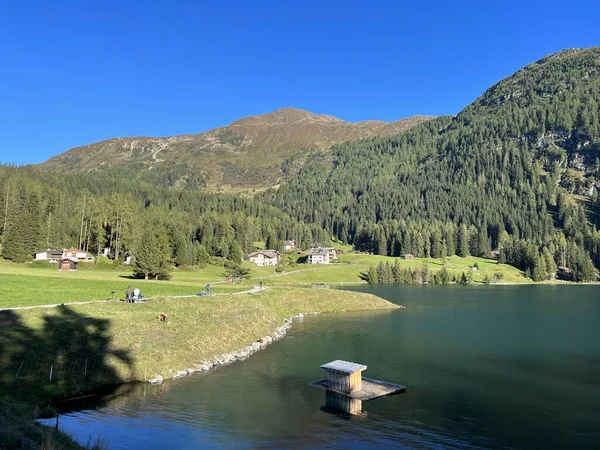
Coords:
247,153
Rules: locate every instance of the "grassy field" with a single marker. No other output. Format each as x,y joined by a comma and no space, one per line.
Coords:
85,346
350,266
23,285
201,328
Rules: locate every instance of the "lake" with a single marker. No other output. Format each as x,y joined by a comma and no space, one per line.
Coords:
484,366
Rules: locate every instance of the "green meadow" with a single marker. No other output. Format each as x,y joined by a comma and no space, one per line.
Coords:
25,285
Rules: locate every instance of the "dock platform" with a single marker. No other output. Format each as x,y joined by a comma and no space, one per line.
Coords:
370,389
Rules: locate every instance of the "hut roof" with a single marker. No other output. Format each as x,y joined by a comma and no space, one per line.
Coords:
343,366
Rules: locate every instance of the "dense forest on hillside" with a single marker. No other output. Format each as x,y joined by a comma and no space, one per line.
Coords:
515,171
142,215
515,175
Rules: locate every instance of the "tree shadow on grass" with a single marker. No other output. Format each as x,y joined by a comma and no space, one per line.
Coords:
130,277
48,356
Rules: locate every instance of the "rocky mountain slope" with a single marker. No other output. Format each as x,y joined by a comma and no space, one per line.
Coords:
247,153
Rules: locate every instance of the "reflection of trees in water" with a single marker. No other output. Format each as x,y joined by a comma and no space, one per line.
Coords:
68,353
126,398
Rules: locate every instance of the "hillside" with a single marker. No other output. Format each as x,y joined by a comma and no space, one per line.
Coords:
247,153
520,163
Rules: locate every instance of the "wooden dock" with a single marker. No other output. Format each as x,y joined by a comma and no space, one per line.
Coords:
371,389
346,388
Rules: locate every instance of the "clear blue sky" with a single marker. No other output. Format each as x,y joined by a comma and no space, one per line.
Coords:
75,72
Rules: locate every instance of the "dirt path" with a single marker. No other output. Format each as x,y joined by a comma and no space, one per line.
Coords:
16,308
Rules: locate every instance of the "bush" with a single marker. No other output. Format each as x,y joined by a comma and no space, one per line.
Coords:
217,261
497,276
42,265
104,264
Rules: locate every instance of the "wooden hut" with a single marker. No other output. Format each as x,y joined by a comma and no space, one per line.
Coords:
343,375
347,389
67,264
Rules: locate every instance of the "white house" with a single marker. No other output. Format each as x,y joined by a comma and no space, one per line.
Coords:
264,258
49,255
289,245
321,255
55,256
78,255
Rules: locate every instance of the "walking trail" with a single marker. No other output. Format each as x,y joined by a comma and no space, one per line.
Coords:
249,291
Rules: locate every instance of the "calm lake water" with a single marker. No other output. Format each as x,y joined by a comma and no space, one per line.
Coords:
485,367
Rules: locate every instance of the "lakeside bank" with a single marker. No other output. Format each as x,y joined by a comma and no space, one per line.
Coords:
57,353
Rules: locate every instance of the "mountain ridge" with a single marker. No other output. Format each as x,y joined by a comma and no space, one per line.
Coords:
249,152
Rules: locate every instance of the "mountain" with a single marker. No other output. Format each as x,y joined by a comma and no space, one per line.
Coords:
520,164
247,153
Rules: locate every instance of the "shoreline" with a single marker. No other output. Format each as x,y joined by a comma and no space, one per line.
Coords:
241,354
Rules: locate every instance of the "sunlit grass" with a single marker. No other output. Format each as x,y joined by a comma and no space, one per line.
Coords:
23,285
203,327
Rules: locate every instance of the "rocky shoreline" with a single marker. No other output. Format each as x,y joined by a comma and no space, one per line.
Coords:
236,355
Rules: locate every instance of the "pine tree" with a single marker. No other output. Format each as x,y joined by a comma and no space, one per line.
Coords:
462,241
371,276
444,275
152,256
23,229
235,252
397,272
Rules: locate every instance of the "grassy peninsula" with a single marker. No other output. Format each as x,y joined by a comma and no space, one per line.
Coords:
96,344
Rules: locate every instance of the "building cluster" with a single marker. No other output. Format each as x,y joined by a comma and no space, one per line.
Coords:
66,259
316,255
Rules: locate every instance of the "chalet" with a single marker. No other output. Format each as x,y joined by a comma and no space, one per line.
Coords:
78,255
321,255
49,255
289,245
67,264
409,257
264,258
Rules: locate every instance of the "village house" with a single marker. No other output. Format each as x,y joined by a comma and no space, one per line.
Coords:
49,255
264,258
79,255
55,256
321,255
289,245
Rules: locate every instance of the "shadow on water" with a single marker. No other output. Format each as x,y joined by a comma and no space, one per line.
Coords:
49,356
